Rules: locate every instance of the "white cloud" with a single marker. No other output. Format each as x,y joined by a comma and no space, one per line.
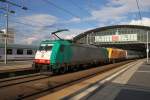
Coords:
29,40
72,20
75,20
108,13
31,34
39,19
116,10
39,33
64,35
145,21
34,37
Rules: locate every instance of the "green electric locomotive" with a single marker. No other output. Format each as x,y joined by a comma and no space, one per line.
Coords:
60,56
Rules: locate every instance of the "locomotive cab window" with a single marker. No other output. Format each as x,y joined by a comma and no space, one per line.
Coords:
48,48
9,51
42,48
29,52
20,51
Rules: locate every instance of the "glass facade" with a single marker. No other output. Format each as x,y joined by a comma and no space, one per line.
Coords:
115,35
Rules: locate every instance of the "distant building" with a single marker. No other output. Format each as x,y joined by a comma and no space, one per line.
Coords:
11,36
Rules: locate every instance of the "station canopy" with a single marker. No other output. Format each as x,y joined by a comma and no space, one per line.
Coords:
129,37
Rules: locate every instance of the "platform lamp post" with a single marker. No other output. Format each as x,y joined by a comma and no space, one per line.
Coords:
147,50
6,30
7,16
6,33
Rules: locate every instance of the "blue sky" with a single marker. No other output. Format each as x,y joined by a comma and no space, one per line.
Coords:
45,16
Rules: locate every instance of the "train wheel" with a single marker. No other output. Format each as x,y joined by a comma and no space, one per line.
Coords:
44,68
36,67
114,61
55,71
62,70
33,65
74,68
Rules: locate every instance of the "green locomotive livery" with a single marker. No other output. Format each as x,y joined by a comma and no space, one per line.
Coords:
64,55
59,56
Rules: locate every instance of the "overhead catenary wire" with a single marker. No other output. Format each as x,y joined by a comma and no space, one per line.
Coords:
49,2
48,26
30,25
61,8
26,24
75,4
139,11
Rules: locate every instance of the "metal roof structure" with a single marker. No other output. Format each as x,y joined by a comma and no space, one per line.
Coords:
110,27
137,31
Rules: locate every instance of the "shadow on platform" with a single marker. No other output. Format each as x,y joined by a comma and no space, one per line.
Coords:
127,94
116,91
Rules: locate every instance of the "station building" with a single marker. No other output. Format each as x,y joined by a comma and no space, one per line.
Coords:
129,37
10,36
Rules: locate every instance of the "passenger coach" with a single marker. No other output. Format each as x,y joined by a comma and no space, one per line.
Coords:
17,52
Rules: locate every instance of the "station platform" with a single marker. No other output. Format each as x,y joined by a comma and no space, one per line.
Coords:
15,66
133,84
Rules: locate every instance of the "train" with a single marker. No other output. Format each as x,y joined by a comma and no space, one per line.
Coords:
60,56
115,55
18,52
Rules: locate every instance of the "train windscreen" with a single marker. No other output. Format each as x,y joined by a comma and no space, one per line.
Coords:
46,48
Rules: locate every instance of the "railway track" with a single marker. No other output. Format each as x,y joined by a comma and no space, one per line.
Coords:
15,73
33,87
21,79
